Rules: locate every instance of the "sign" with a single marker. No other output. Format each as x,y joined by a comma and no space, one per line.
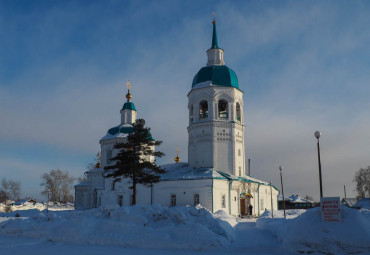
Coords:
330,209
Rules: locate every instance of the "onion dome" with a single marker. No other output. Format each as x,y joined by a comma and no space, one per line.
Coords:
123,129
217,76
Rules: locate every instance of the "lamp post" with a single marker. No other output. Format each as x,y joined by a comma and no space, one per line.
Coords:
282,188
317,135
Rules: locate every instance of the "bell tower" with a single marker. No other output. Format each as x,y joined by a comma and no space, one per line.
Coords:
216,124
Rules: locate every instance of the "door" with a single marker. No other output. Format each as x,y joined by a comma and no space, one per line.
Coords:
242,206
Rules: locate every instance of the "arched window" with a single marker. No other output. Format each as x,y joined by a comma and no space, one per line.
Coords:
222,109
238,118
203,110
191,114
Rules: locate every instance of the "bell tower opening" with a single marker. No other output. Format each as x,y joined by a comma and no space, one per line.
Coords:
222,109
203,110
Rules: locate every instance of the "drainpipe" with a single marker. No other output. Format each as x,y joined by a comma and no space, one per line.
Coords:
230,183
212,195
258,190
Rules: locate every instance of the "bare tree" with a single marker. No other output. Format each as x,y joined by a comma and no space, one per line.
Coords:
58,185
362,179
308,197
9,190
81,179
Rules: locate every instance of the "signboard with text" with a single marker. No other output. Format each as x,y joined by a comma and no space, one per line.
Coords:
330,209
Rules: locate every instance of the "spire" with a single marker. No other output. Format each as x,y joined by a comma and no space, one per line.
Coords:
177,159
98,165
128,95
215,54
214,36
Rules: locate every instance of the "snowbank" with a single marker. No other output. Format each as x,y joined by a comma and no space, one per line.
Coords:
153,227
307,233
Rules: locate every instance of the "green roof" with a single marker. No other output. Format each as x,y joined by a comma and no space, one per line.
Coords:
218,75
129,106
121,129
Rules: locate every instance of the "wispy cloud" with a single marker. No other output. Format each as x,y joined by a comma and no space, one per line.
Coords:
303,66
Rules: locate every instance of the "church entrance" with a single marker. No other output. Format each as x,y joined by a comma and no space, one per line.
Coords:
242,207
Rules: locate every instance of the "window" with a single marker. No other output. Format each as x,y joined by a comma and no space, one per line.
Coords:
262,204
239,153
240,171
173,199
223,201
191,114
120,200
131,199
222,109
196,199
109,156
113,185
238,115
203,110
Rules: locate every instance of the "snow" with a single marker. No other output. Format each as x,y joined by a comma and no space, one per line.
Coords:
363,203
117,135
182,171
181,230
307,233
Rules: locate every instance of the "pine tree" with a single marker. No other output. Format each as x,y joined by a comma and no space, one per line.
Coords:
133,161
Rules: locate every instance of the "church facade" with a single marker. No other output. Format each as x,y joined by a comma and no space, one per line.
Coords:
215,176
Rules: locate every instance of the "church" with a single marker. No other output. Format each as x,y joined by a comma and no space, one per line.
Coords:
215,176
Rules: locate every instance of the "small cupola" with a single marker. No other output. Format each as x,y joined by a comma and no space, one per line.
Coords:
128,111
177,159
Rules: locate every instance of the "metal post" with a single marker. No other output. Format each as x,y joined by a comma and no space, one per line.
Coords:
282,188
272,204
249,167
317,135
345,193
47,206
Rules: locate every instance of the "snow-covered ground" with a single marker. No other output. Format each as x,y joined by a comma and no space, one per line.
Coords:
181,230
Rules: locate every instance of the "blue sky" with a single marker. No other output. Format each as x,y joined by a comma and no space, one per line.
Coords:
303,65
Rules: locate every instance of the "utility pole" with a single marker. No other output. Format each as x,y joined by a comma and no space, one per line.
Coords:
272,204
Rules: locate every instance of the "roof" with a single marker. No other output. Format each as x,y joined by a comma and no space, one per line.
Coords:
182,171
82,184
218,75
128,106
95,170
349,201
295,199
124,129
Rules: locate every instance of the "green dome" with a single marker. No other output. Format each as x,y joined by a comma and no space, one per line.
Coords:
218,75
128,106
121,129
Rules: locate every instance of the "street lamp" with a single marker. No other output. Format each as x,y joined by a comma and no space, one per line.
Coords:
282,188
317,135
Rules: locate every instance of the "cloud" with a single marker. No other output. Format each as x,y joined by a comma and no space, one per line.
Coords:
303,66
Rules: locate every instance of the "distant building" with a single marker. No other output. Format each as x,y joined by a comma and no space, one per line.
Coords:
295,202
215,176
349,202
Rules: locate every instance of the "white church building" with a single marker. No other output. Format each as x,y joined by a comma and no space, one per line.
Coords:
215,176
